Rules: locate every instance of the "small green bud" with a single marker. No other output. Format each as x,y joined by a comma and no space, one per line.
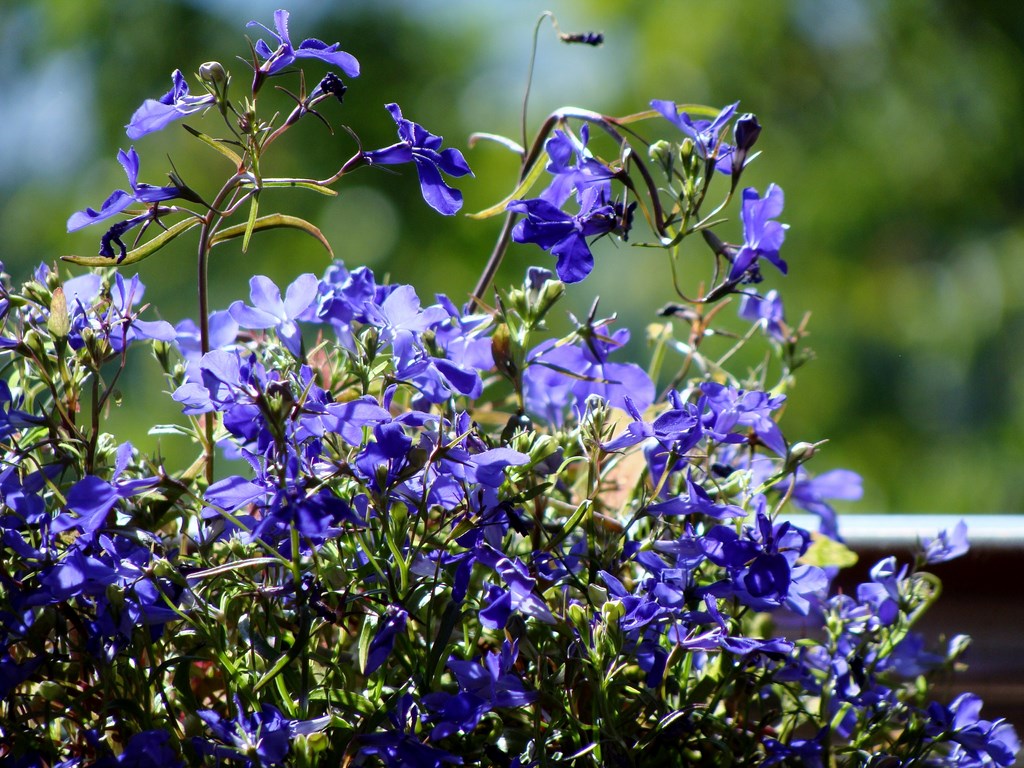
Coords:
58,323
501,349
318,741
598,595
686,151
577,615
661,152
517,300
543,446
36,342
212,72
801,452
550,293
612,611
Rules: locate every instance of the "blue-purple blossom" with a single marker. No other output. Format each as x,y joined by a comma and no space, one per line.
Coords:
92,498
276,59
494,683
519,595
270,311
766,311
12,418
733,410
146,749
696,501
400,746
418,145
559,377
156,114
574,168
391,626
120,199
762,235
565,235
118,322
261,739
947,545
976,742
705,134
762,563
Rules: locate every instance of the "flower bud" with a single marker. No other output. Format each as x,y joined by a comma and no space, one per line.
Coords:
58,323
212,72
35,341
543,446
612,611
746,131
597,594
578,616
501,349
801,452
661,153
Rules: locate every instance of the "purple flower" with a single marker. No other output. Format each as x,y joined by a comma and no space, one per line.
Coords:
695,502
384,641
119,323
119,199
762,236
260,739
494,683
418,145
565,235
734,409
269,311
762,563
400,747
766,311
92,498
156,114
520,594
978,742
706,134
277,59
146,749
947,545
562,149
559,375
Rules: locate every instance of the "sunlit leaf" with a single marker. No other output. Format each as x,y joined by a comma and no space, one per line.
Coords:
137,254
273,221
524,186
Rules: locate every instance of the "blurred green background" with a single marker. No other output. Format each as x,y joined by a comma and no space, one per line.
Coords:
894,129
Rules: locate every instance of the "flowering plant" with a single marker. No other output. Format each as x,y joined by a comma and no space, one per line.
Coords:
418,534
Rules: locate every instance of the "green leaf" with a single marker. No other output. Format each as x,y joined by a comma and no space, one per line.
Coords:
169,429
366,637
449,620
272,221
138,254
693,110
217,144
524,186
825,552
254,209
295,183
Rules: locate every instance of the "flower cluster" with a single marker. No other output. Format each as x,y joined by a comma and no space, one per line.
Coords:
416,534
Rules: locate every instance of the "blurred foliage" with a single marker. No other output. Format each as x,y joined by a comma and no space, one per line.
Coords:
892,127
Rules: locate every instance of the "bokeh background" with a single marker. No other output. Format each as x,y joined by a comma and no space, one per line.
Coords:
893,127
